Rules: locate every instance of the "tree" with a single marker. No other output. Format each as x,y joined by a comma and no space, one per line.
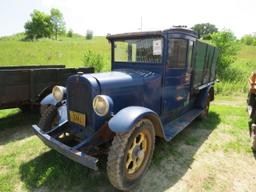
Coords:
89,34
70,33
39,26
58,23
228,47
204,30
248,39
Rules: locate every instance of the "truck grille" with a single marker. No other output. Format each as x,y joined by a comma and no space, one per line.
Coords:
78,97
80,100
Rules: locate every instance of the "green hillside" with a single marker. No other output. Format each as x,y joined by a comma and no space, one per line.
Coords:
68,51
240,71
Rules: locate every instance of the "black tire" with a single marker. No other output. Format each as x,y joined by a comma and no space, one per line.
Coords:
205,112
43,108
120,167
48,119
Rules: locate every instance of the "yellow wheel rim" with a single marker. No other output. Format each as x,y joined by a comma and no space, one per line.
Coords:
136,153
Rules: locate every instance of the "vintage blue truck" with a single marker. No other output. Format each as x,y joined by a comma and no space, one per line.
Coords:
160,82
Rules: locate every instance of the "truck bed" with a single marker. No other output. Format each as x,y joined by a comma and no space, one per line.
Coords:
25,85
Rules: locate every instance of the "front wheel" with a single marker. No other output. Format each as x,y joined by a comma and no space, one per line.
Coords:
49,119
130,155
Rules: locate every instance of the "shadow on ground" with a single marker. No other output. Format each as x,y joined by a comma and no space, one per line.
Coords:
17,126
51,171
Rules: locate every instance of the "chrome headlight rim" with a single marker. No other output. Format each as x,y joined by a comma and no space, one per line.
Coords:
58,92
107,102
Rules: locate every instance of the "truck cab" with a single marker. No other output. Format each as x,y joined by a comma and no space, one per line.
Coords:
160,82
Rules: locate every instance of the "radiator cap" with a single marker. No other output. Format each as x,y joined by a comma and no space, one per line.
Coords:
80,73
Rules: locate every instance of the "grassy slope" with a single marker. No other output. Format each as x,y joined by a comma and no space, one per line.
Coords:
68,51
244,65
199,159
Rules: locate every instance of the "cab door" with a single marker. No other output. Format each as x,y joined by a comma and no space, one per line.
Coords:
177,78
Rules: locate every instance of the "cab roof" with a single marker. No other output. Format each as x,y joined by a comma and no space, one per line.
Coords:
178,30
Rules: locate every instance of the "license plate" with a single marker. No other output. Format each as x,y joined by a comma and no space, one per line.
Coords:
77,118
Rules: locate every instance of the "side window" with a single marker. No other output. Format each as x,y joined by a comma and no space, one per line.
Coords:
190,52
177,53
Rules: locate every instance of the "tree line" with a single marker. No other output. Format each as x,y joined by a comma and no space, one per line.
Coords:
42,25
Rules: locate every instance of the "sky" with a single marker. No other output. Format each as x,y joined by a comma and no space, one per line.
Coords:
120,16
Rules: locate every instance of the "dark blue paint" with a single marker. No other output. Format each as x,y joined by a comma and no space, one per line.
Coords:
124,120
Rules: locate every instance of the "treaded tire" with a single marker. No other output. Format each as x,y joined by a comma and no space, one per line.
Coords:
118,153
43,108
48,119
205,113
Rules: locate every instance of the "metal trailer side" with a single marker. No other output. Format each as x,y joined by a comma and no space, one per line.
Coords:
24,86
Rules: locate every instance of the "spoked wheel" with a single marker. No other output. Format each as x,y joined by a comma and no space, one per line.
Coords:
130,155
49,119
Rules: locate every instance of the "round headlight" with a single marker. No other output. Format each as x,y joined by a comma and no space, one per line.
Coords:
101,105
58,92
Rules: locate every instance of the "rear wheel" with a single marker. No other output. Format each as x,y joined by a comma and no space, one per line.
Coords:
49,119
205,112
130,155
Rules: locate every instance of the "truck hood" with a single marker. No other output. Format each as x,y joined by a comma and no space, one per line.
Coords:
123,78
126,87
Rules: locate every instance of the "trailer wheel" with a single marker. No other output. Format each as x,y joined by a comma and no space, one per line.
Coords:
49,119
26,108
130,155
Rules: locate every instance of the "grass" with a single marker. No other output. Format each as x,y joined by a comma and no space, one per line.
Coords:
26,164
68,51
239,72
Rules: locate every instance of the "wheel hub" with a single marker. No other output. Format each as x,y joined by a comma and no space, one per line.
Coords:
136,153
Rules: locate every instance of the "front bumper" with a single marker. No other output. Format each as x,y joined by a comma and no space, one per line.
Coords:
67,151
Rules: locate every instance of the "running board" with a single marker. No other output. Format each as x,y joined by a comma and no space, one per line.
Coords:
174,127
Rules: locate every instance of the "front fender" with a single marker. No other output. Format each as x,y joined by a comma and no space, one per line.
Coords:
125,119
49,100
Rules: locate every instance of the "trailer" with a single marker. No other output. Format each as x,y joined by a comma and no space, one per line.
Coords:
26,86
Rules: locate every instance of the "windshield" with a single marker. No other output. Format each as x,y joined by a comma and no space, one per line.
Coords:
147,50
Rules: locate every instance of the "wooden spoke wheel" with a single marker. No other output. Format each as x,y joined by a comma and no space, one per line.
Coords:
130,155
